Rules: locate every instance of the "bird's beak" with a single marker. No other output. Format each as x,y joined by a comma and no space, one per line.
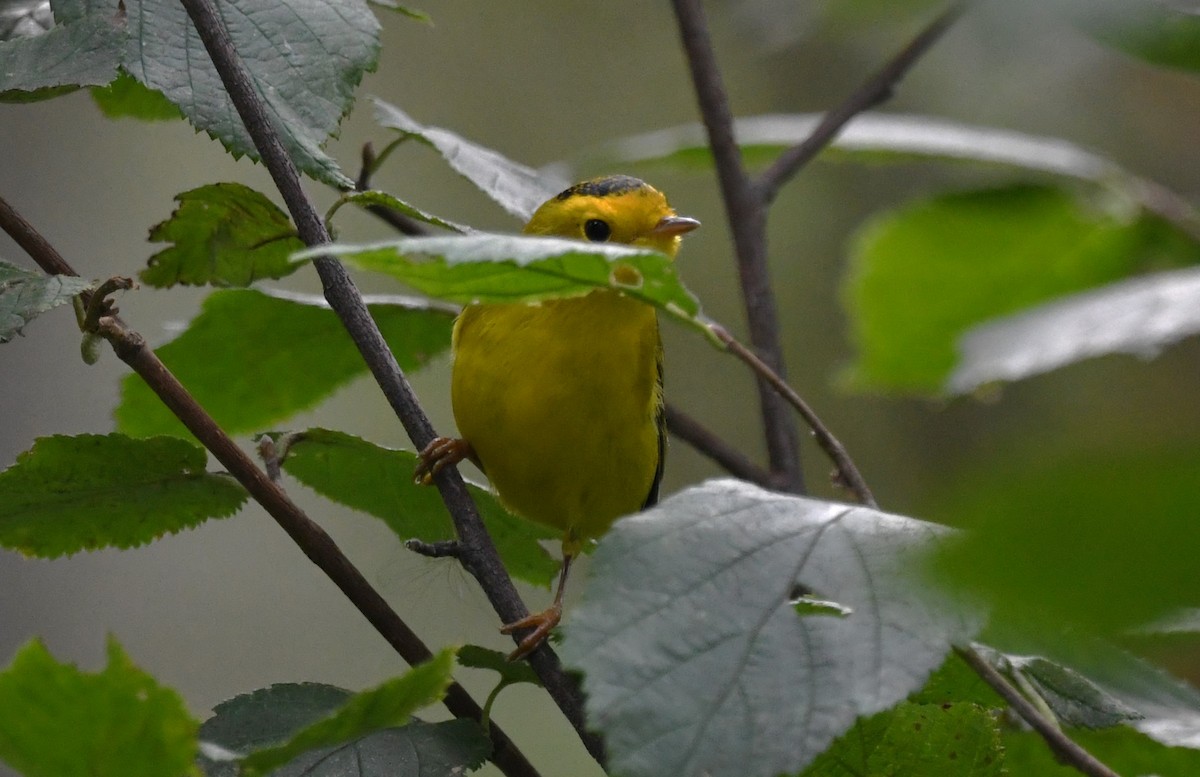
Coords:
673,226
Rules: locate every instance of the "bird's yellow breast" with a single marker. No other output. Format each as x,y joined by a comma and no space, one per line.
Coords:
559,402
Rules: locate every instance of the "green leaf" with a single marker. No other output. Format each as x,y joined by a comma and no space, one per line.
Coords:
390,704
1140,316
917,740
223,234
83,52
510,672
68,494
513,186
954,682
922,275
510,268
56,721
379,481
277,354
306,57
1156,32
694,660
25,295
126,98
383,199
1038,525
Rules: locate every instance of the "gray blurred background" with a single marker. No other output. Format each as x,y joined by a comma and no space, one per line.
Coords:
234,606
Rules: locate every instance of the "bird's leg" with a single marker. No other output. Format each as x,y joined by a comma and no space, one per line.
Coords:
440,453
541,622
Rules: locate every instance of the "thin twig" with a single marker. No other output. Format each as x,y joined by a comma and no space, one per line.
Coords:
399,221
746,214
32,242
479,553
320,548
1062,745
847,473
875,90
708,443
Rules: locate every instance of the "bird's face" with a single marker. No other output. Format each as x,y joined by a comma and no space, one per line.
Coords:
613,209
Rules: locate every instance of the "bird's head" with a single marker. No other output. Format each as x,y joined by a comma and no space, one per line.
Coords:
613,209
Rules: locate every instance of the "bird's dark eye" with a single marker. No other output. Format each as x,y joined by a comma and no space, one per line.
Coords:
596,230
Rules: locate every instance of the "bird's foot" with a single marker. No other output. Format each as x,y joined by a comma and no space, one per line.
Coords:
440,453
541,622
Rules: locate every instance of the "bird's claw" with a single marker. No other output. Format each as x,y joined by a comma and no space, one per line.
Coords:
440,453
541,622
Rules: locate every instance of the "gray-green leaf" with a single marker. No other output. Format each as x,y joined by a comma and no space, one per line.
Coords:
387,705
1140,316
696,663
306,57
1075,700
83,52
270,716
25,295
873,137
516,188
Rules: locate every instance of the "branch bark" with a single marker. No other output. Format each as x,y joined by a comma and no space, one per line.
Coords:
709,444
875,90
479,555
746,215
1067,749
847,474
316,544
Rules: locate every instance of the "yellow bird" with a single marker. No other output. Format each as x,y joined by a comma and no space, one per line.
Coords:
560,402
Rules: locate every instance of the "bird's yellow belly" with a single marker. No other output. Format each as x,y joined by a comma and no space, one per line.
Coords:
560,402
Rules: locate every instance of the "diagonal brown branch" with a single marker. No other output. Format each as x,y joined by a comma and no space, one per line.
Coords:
320,548
708,443
1064,747
479,554
875,90
847,472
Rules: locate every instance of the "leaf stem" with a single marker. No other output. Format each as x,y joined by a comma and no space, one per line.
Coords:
316,544
479,553
875,90
1063,746
370,163
39,249
847,473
